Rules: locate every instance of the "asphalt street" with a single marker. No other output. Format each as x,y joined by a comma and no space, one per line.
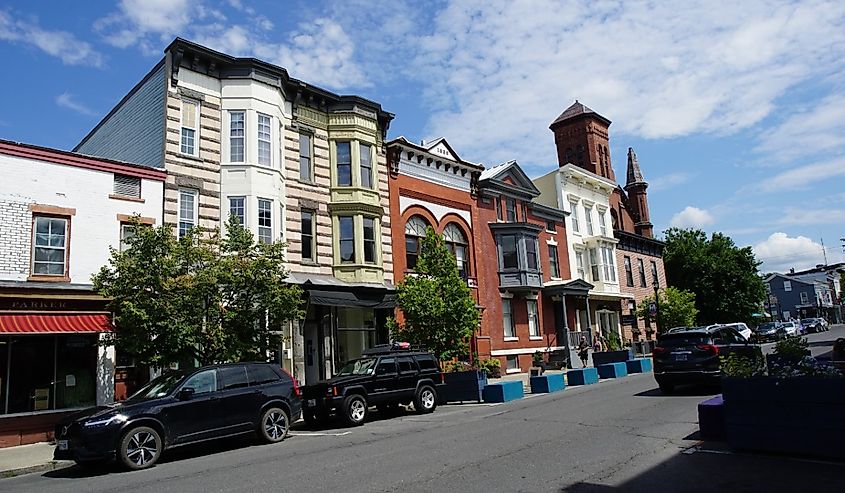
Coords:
618,435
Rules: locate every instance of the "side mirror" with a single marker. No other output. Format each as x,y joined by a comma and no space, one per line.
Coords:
185,393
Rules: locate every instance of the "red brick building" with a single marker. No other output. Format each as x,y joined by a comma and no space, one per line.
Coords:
506,245
582,138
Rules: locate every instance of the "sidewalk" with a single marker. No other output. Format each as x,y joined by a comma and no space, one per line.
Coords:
25,459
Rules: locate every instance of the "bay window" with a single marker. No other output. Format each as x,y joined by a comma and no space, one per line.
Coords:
594,265
307,232
531,253
366,165
237,208
305,172
237,132
265,221
264,140
510,258
344,164
369,240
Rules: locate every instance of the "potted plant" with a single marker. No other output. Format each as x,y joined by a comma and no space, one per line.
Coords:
492,367
614,352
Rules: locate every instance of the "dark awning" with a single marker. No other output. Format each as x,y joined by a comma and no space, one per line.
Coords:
347,299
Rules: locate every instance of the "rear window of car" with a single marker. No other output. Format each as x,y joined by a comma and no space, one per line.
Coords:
426,362
684,339
261,374
232,377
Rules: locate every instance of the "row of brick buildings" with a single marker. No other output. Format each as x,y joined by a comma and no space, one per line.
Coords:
206,135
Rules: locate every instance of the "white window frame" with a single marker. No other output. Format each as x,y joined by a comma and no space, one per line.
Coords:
265,231
579,265
595,264
194,151
362,146
243,206
787,286
602,222
127,230
65,248
233,138
509,328
268,141
805,298
533,319
512,358
608,265
588,219
189,221
576,225
554,261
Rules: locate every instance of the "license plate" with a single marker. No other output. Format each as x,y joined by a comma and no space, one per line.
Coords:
680,357
62,444
311,403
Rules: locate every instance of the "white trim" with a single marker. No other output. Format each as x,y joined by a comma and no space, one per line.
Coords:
514,370
507,295
511,339
551,242
535,338
437,210
530,350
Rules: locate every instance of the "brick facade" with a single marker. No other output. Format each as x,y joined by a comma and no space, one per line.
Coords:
640,292
15,230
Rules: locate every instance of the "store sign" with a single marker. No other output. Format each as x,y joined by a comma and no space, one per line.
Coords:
652,309
629,320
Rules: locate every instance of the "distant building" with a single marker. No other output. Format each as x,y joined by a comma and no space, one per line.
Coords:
582,140
832,276
791,297
61,211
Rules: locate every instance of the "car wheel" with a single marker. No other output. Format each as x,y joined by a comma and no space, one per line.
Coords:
140,448
274,425
426,400
666,388
354,410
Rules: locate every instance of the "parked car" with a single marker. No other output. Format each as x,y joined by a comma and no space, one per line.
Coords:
814,325
385,376
692,356
740,327
769,331
790,328
182,407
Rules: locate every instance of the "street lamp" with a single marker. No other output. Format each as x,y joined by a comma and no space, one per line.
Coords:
656,286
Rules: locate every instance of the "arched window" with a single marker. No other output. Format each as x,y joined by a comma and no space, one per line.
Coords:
414,232
456,242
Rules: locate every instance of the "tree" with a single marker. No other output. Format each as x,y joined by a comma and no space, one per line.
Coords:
723,276
437,305
204,299
676,309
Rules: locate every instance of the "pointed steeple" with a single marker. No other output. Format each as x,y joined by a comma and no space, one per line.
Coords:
635,175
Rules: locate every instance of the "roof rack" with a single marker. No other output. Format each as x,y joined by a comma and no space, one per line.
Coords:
396,347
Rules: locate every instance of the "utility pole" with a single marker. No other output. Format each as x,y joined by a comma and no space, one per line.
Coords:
824,252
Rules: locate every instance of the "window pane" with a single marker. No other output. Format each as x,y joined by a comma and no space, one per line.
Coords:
232,377
265,221
411,253
236,134
369,240
347,239
307,223
507,318
366,166
260,374
264,156
344,164
203,382
511,209
305,157
509,255
531,253
187,146
588,219
237,208
573,208
553,261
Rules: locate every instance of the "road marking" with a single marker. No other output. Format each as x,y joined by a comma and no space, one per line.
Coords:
317,434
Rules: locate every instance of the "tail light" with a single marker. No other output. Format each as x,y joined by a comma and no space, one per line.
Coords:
658,350
709,348
296,390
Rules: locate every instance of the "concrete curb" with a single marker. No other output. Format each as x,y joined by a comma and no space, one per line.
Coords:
49,466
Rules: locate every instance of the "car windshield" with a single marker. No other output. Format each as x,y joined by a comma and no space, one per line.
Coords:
159,387
363,366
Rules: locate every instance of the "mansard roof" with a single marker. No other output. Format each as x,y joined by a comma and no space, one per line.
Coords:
578,109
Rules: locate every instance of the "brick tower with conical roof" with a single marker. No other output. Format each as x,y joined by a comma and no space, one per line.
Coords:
581,137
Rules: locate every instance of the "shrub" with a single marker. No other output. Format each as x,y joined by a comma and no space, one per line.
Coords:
741,366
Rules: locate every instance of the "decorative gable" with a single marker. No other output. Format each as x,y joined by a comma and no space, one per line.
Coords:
439,147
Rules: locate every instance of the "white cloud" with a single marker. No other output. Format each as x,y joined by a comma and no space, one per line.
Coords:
496,74
668,181
780,252
67,100
60,44
803,176
692,217
807,132
803,216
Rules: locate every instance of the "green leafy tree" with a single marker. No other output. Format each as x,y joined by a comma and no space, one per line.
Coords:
676,309
204,299
724,277
437,305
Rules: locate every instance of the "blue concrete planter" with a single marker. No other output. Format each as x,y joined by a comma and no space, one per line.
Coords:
582,376
503,391
639,365
711,419
547,383
613,370
463,386
792,415
605,357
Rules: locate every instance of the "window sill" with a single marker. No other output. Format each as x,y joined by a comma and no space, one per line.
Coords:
511,339
309,263
535,338
191,157
514,370
126,198
43,278
310,183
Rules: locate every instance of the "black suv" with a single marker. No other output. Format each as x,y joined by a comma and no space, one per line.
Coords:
692,356
384,376
182,407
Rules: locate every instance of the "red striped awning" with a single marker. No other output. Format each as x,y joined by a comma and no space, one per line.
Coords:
55,323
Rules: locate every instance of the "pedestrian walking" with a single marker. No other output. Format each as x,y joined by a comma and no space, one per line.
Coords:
583,350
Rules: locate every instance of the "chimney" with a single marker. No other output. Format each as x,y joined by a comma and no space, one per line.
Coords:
792,270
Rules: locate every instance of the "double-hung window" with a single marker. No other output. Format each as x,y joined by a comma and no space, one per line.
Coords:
237,132
533,318
49,257
510,205
305,172
507,318
307,223
190,127
187,211
588,219
805,299
553,261
608,264
347,239
369,240
594,265
264,140
499,214
366,165
265,221
573,209
641,269
237,208
531,253
579,265
127,232
653,272
344,164
629,273
602,222
510,258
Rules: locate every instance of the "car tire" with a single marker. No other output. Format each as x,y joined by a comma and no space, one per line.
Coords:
666,388
425,400
140,448
274,425
354,410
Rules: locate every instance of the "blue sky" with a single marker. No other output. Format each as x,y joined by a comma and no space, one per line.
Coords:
736,109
